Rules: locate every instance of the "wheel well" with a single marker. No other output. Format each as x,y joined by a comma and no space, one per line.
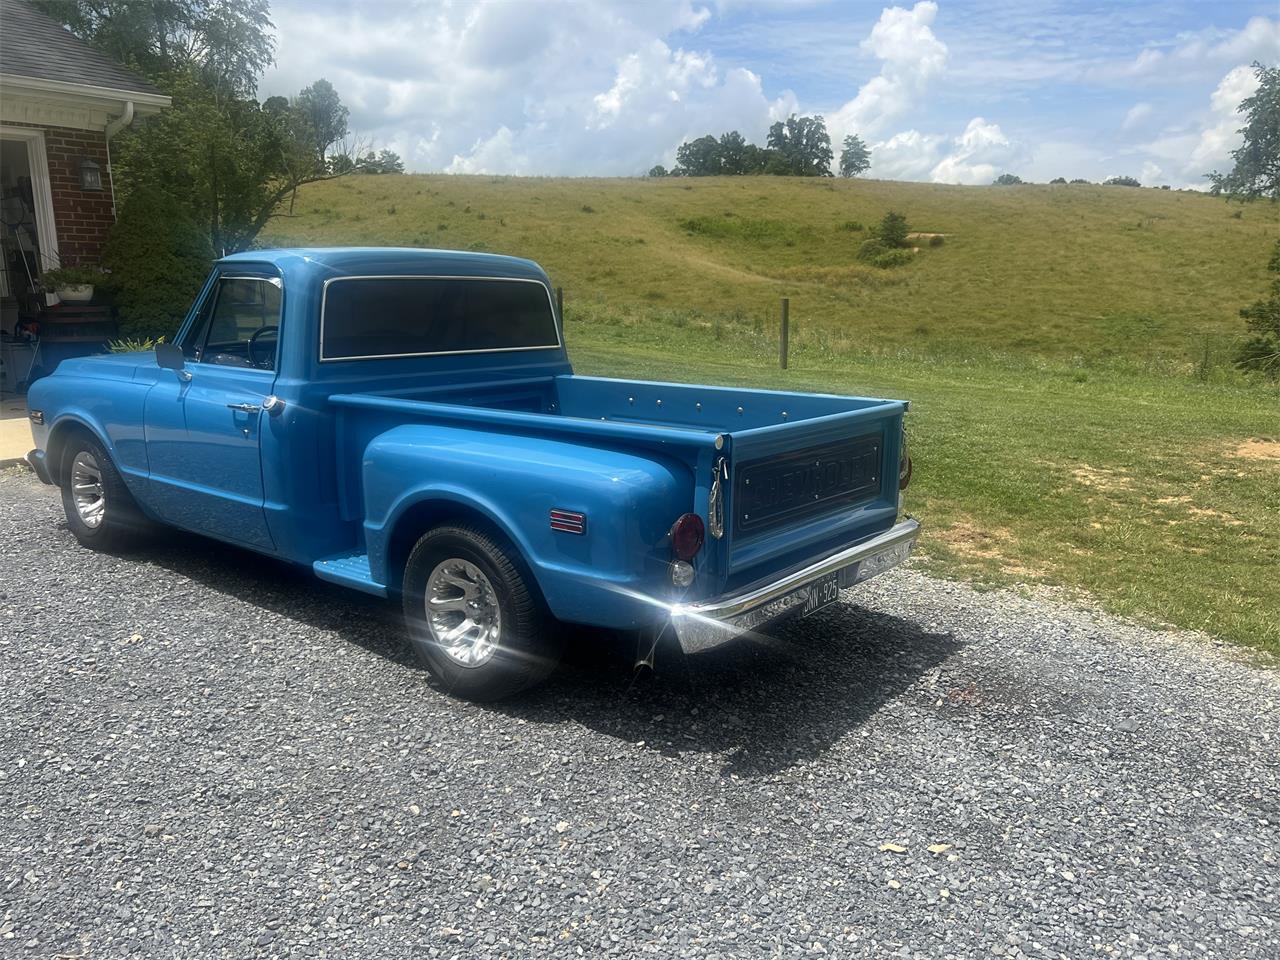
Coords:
427,515
57,445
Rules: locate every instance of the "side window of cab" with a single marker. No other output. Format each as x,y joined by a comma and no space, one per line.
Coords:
238,324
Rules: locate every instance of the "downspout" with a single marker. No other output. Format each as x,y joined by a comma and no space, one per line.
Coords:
113,127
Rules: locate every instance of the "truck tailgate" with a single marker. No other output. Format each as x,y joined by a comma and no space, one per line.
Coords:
796,488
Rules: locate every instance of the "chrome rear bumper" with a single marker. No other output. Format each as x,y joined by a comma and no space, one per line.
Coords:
709,623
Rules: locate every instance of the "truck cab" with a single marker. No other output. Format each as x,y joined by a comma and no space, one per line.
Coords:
407,423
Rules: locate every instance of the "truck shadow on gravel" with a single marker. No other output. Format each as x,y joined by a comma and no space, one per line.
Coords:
765,703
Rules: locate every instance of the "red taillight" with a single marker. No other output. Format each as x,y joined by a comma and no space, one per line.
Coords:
687,536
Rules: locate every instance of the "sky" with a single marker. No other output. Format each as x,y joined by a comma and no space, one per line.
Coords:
949,91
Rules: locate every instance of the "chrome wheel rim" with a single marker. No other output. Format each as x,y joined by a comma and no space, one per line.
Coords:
463,614
86,489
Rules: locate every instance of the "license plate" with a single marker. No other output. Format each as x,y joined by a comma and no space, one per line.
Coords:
822,593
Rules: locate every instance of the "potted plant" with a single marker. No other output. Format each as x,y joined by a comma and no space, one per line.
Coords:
73,284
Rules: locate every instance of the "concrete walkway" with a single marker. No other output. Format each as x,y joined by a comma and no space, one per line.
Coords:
15,430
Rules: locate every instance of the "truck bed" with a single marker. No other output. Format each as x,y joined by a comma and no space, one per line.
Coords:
715,410
799,472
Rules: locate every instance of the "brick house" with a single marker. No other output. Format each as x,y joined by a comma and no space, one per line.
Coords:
61,102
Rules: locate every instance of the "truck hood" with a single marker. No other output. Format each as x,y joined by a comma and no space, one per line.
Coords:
106,366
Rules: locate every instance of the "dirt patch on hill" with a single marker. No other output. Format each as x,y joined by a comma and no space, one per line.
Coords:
1258,450
1100,478
969,541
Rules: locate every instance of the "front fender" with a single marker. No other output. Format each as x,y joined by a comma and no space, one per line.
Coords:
614,574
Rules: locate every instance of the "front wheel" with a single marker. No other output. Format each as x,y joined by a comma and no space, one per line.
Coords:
100,511
474,616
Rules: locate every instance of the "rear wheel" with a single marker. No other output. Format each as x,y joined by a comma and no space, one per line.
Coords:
99,509
474,616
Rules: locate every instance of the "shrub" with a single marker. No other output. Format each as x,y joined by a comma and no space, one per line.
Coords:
72,277
868,250
158,258
588,208
892,258
1261,351
133,344
1007,180
1080,180
852,226
893,230
1058,180
1121,182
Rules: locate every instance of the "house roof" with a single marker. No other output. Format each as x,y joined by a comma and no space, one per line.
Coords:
32,46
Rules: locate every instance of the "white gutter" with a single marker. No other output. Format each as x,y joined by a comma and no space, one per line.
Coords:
112,128
119,123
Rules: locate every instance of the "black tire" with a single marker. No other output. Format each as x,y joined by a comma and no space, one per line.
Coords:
121,522
528,646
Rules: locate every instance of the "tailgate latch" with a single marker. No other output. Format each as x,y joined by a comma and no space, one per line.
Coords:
715,502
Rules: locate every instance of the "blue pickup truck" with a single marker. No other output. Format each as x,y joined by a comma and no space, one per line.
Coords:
406,423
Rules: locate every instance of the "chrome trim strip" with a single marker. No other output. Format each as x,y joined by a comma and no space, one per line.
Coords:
324,301
701,626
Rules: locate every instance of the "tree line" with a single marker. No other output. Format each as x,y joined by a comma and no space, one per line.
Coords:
796,147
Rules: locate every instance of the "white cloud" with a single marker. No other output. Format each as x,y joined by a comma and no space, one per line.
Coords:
530,87
1151,174
1221,134
1194,54
1136,115
909,155
911,56
979,155
1205,144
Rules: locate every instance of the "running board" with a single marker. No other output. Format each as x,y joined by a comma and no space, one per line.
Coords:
350,571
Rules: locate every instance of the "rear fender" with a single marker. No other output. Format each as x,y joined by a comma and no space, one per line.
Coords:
615,574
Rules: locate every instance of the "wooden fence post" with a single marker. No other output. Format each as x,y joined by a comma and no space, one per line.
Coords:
783,343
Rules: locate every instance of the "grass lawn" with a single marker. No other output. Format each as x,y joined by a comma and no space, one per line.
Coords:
1073,422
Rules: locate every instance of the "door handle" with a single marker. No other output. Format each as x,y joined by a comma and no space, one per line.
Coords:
245,407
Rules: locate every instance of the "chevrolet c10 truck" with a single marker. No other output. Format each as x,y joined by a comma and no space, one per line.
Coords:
406,423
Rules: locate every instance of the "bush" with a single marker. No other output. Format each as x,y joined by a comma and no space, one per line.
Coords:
868,250
1261,351
72,277
1080,180
1058,180
1121,182
1007,180
852,226
133,344
158,258
893,230
892,258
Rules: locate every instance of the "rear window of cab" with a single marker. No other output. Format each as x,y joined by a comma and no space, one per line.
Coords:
367,318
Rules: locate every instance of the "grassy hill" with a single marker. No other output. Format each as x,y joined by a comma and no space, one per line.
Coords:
1074,420
1054,270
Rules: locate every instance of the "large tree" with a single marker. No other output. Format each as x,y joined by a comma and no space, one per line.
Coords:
699,158
322,117
855,158
804,145
1257,161
225,43
228,160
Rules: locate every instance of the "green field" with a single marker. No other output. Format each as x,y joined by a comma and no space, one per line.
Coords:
1075,420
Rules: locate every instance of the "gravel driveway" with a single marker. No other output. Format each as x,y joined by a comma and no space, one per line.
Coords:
208,754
